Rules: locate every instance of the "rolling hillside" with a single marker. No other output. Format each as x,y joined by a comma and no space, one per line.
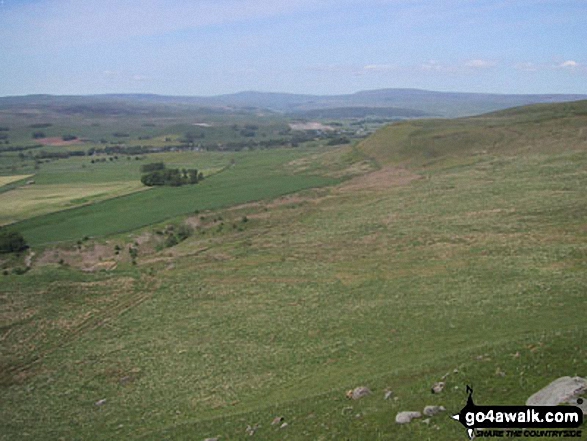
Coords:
544,128
461,258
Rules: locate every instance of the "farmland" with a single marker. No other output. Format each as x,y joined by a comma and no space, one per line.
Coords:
434,249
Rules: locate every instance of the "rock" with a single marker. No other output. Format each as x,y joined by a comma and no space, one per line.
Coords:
358,392
283,426
438,387
565,390
100,402
251,430
388,395
406,416
277,420
433,410
211,439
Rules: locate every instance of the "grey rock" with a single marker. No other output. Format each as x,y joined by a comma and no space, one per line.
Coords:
100,402
564,390
388,395
283,426
211,439
358,392
406,416
438,387
433,410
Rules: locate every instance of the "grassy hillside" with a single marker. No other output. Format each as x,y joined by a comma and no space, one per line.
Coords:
545,128
468,265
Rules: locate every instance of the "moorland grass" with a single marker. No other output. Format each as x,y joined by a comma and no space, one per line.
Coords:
475,273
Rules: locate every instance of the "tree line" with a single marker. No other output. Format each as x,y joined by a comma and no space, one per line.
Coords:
157,174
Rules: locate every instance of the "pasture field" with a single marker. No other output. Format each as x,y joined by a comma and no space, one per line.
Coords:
232,179
4,180
471,268
71,182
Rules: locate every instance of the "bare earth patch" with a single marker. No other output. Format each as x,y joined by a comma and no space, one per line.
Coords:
93,258
379,180
310,126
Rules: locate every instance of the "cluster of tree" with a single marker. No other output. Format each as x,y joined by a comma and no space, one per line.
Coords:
338,141
11,241
174,177
15,148
59,155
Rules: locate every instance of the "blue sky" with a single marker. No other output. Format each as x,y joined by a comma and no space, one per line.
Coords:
209,47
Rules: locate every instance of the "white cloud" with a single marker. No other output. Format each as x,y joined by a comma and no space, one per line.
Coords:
569,64
378,68
480,64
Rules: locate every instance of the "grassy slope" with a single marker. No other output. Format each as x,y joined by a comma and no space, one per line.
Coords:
537,129
484,258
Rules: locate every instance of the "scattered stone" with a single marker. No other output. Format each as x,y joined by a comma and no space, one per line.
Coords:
433,410
358,393
426,421
406,417
277,420
565,390
100,402
283,426
499,372
251,430
387,395
438,387
126,380
211,439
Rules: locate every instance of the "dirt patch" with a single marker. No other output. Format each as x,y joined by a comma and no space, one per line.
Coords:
59,141
310,126
89,258
379,180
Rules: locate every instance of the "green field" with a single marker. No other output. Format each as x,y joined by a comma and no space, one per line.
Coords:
463,257
247,177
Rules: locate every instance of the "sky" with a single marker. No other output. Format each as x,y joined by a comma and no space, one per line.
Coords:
326,47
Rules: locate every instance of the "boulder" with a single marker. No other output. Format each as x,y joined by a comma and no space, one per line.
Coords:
438,387
358,392
406,416
433,410
565,390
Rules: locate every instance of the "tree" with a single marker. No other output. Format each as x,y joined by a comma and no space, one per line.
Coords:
11,242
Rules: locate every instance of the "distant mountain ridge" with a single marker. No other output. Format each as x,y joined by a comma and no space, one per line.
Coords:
413,102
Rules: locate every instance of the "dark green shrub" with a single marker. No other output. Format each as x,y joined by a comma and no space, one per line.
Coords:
11,241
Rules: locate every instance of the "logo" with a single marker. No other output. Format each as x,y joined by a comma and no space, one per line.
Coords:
516,421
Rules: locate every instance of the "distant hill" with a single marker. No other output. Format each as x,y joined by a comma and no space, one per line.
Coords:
540,128
361,112
411,101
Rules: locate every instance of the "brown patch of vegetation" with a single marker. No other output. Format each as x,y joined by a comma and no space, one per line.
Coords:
379,180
